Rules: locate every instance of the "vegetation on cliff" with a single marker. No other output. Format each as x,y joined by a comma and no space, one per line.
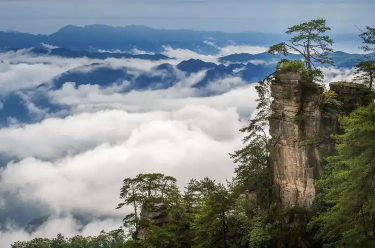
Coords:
310,42
345,214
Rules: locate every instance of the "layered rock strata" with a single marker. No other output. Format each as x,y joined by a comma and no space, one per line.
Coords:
301,134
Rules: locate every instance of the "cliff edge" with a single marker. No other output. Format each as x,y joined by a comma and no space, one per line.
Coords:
301,126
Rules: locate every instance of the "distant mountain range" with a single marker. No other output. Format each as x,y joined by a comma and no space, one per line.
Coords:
94,37
249,67
341,59
160,77
15,104
67,53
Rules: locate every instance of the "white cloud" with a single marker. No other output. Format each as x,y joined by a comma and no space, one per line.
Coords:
19,70
228,50
185,54
55,225
333,74
49,46
236,48
92,98
20,76
177,146
138,51
151,105
107,51
105,147
225,84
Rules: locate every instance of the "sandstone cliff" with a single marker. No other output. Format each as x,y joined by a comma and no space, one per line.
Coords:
154,212
301,130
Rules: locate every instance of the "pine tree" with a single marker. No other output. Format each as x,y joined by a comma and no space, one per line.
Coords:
309,42
365,73
365,70
346,213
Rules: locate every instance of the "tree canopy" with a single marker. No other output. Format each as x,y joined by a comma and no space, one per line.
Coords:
368,39
346,214
365,69
309,42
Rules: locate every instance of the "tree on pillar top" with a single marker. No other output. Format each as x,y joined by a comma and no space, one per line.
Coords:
309,42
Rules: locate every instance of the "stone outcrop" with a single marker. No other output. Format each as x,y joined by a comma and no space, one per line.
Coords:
153,212
301,134
351,95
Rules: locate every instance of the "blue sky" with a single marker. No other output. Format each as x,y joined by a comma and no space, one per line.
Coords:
272,16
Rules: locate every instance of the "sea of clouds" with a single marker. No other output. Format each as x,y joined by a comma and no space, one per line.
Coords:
74,163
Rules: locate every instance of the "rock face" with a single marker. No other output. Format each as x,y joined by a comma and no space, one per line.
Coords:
351,95
300,134
294,128
154,212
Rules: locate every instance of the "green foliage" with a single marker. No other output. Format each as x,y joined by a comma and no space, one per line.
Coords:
221,219
365,73
210,224
365,70
330,105
309,77
279,48
309,42
368,39
113,239
346,209
286,65
137,191
293,232
260,234
35,243
160,237
253,173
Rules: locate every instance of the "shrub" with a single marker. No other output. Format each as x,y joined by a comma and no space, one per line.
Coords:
311,76
330,105
286,65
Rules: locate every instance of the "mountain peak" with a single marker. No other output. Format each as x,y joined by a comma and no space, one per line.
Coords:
68,28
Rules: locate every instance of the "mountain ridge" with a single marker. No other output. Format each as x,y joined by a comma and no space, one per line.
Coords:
101,36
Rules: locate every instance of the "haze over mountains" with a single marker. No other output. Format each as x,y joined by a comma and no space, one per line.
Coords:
166,73
93,37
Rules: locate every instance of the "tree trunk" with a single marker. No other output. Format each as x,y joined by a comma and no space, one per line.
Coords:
163,189
136,217
308,59
371,79
149,190
224,229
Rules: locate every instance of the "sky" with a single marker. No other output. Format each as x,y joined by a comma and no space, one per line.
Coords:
271,16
